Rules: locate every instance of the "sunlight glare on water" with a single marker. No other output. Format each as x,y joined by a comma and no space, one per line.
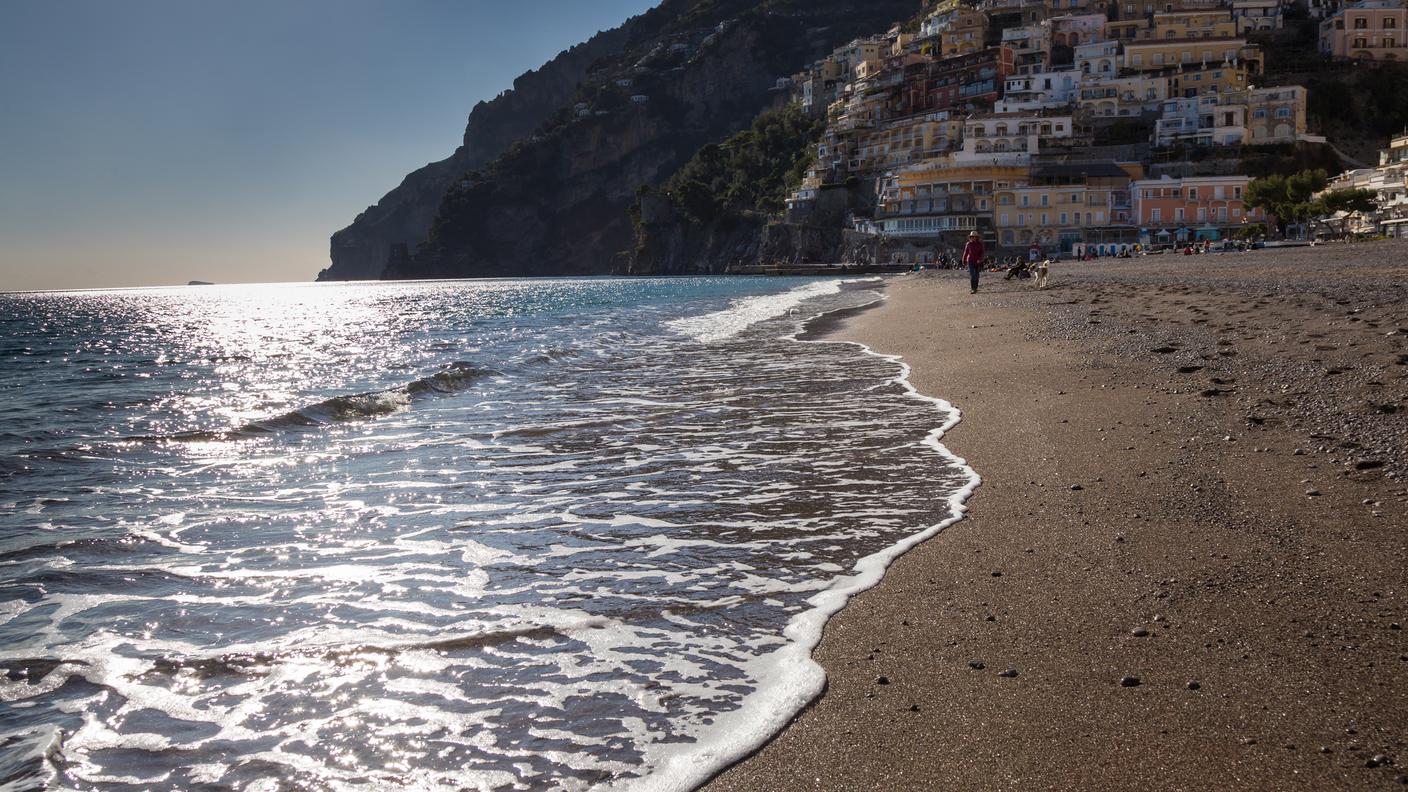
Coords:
464,535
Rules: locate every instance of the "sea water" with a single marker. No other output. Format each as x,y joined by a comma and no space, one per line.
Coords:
484,535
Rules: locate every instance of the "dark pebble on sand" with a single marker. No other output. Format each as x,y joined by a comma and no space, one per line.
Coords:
1314,493
1380,759
1139,632
1076,488
976,665
1129,681
1194,684
882,680
1009,673
1402,778
996,573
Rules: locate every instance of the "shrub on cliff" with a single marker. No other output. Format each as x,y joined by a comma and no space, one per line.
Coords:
752,171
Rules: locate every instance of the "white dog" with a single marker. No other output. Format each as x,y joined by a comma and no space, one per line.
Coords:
1042,268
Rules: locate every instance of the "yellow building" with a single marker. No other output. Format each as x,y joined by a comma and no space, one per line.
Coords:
1275,115
1065,205
965,33
1113,97
904,142
1156,55
938,199
1220,78
1216,24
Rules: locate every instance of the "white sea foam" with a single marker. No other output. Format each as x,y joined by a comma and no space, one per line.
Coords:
748,311
789,678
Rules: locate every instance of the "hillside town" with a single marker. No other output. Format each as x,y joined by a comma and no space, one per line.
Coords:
1080,127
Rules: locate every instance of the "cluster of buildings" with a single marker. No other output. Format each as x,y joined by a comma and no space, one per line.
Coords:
1014,118
1389,183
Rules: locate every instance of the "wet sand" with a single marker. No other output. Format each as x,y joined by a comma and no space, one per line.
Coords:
1193,478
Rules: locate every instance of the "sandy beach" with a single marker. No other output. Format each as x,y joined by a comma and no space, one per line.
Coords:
1185,567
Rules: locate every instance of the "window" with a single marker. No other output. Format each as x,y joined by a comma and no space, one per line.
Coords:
1259,114
1389,42
1045,219
1202,214
1063,218
1222,214
1045,199
1192,193
1359,43
1156,214
1178,215
1390,23
1237,192
1361,23
1283,112
1236,211
1026,200
1005,218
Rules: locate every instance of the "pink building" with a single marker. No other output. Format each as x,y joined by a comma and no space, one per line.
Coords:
1366,30
1195,207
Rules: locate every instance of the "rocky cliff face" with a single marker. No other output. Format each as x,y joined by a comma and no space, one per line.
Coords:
668,243
558,200
401,220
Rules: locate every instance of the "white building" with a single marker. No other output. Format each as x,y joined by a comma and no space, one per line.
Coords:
1202,121
1047,90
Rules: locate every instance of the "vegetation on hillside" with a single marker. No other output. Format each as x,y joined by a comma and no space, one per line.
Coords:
1293,198
752,171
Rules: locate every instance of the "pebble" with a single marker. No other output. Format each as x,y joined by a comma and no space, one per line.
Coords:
1314,493
1380,759
1009,673
1299,452
996,573
1194,684
1129,681
1076,488
913,707
976,665
881,680
1139,632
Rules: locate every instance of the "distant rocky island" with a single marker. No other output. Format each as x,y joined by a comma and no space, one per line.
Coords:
709,136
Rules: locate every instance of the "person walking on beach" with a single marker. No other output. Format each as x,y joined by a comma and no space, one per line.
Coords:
973,258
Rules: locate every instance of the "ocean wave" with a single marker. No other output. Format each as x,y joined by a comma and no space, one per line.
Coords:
452,379
748,311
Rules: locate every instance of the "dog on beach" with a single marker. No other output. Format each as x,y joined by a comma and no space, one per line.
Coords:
1042,268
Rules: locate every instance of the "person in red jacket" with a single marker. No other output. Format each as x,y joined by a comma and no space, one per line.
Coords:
973,257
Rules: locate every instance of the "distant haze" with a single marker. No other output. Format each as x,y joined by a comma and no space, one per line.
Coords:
160,141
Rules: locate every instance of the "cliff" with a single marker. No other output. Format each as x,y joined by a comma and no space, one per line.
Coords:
402,218
556,196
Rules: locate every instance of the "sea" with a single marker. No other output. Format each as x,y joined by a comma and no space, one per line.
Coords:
455,535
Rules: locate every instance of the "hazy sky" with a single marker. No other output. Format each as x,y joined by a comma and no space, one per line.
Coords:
161,141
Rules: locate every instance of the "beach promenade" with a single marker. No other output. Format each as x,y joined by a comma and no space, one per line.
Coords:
1187,566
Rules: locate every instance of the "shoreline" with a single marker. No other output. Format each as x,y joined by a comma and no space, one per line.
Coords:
1144,513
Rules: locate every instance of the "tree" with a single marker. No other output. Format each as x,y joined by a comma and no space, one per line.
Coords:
1348,201
1287,198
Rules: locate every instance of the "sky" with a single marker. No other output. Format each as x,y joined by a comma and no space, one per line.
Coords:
150,142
